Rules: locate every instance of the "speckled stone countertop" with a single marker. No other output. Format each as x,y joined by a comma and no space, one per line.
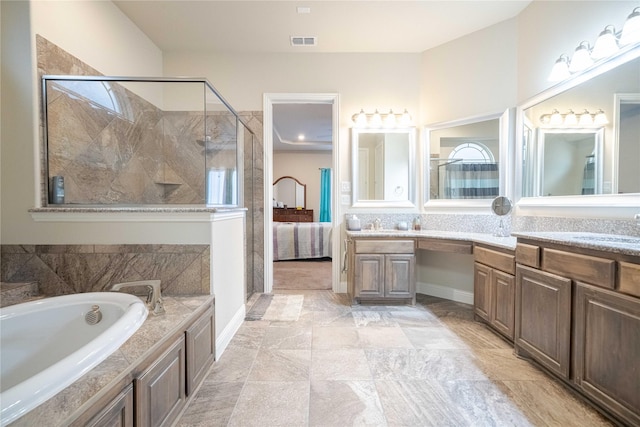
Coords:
489,239
627,245
65,406
133,208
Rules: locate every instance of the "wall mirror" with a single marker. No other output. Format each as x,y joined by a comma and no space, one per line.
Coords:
579,142
383,167
467,161
289,192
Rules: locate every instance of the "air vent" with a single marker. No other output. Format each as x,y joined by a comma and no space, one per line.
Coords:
304,41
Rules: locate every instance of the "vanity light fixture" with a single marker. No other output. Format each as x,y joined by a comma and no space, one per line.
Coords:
631,29
606,43
571,119
377,120
581,58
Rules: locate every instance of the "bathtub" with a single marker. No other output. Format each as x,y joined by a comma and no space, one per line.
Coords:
48,344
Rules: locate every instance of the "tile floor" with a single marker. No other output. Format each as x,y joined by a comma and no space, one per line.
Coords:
338,365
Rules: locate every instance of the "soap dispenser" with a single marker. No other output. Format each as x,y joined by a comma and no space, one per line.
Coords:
417,224
353,223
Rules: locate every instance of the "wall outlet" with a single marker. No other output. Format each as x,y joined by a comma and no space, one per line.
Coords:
345,199
345,186
637,218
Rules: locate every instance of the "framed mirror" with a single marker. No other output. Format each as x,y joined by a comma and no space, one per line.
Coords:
383,167
288,192
467,161
590,124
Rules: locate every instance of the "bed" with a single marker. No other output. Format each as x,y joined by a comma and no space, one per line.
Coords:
301,240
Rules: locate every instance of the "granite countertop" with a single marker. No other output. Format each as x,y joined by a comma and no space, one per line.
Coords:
65,406
70,208
614,243
485,238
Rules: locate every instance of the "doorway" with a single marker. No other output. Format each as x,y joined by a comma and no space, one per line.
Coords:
273,103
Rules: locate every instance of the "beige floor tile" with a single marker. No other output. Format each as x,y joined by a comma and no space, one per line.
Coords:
341,364
383,337
345,403
234,365
272,403
334,337
213,405
434,337
290,338
281,365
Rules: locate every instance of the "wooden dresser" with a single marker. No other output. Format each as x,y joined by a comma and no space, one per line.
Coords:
292,215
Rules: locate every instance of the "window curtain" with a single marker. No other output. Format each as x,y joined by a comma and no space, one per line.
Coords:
471,180
325,195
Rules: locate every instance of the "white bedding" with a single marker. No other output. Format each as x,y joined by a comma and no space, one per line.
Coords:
301,240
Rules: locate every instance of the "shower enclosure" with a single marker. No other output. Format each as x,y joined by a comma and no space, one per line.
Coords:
140,141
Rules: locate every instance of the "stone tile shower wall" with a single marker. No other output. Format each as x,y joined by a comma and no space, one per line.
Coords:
134,152
68,269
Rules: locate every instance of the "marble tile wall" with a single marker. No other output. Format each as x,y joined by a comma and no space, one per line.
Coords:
68,269
114,147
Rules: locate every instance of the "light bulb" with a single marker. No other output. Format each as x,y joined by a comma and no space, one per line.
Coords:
631,29
360,119
606,43
586,119
581,59
390,120
600,118
570,119
406,118
376,120
560,70
556,118
545,119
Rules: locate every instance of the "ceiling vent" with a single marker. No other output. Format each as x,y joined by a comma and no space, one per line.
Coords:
304,41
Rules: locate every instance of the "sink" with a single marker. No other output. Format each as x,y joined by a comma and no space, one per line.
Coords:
610,239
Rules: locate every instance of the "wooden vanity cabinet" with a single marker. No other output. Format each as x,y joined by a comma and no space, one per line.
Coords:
382,270
606,349
494,289
200,348
543,323
161,390
117,413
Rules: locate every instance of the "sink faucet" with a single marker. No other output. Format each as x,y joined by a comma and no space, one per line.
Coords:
377,224
154,297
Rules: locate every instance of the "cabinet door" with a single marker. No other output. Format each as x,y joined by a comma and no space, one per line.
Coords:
399,276
369,275
201,349
543,323
503,302
482,291
160,391
607,349
118,413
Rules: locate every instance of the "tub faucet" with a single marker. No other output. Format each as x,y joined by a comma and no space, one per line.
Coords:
154,297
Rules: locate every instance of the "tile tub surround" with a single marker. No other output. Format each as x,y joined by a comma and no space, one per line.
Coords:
428,365
67,269
63,408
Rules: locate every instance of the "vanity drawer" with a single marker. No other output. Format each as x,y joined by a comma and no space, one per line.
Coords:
593,270
384,246
445,246
629,279
528,255
498,260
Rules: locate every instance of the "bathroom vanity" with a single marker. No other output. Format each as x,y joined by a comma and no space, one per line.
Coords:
578,314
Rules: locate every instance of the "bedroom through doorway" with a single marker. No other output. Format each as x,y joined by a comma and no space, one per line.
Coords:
302,194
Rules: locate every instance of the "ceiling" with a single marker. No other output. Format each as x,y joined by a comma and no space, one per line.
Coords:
238,26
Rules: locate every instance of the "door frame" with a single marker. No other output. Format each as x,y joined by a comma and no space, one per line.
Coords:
269,99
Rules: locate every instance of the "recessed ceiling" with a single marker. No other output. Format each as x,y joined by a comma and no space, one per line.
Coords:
313,121
340,26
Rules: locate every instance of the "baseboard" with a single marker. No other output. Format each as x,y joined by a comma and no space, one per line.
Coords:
341,288
229,331
445,292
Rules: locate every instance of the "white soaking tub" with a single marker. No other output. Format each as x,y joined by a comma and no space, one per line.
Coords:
47,344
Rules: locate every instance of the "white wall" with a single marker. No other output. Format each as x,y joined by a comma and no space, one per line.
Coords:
305,168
